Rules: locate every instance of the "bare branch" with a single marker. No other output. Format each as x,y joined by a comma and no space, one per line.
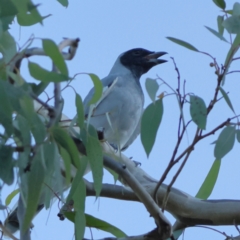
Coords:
165,228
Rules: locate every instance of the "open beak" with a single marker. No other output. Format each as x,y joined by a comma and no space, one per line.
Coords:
153,57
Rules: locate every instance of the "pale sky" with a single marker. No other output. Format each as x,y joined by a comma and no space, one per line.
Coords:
108,28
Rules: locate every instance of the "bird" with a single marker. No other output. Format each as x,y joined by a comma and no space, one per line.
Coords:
119,112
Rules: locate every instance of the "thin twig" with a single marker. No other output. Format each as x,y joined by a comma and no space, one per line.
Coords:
237,58
213,229
235,71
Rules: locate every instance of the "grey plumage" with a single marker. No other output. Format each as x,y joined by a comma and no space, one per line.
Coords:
119,113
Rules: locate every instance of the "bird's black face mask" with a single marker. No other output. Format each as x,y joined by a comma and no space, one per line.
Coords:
140,60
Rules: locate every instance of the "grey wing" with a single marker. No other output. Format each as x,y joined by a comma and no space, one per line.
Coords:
107,81
133,136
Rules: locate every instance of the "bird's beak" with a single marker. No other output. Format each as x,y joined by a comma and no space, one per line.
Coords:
153,57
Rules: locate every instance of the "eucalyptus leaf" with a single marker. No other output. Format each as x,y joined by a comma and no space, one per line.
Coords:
198,111
35,179
63,138
104,226
225,142
52,50
98,88
220,3
30,17
183,43
236,9
217,34
5,109
7,46
238,135
79,207
36,125
6,164
232,50
151,120
10,196
232,24
63,2
152,88
23,133
207,186
95,157
78,178
220,20
67,164
39,88
44,75
7,13
80,110
97,223
79,225
226,98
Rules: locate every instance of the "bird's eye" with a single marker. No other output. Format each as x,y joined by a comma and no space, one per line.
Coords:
136,53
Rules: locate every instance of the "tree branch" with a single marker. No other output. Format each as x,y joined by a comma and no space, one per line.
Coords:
165,228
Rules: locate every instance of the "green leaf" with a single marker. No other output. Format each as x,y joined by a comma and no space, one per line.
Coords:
34,186
95,157
210,180
79,206
152,88
36,125
5,109
52,50
7,46
79,226
77,179
232,24
236,9
39,88
63,138
226,98
104,226
220,20
44,75
30,17
54,180
24,5
225,142
217,34
238,135
63,2
232,51
24,129
6,164
98,88
220,3
67,164
7,14
198,111
230,12
14,94
80,111
10,196
230,55
183,43
97,223
151,120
